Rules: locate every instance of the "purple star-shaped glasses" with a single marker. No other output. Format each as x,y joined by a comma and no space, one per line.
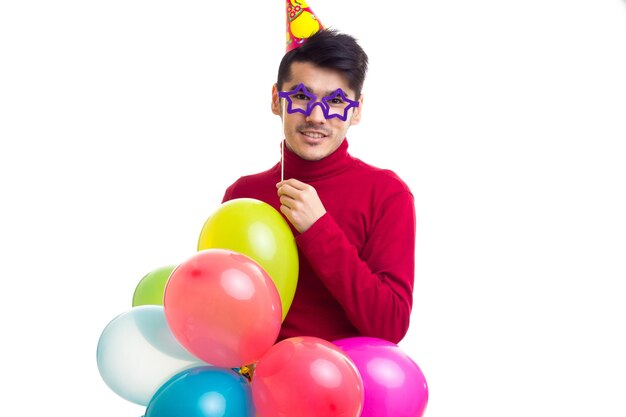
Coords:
300,100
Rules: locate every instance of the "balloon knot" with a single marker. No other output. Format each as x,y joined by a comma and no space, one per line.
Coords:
246,372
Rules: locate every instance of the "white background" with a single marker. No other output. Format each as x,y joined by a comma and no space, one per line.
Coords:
122,122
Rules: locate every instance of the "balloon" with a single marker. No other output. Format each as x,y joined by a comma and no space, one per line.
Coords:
137,353
394,385
256,229
203,392
223,307
151,287
306,377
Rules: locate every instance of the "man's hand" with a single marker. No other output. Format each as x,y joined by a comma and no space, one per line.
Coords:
299,203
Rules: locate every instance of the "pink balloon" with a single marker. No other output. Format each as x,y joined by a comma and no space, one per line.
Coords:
393,384
306,377
223,308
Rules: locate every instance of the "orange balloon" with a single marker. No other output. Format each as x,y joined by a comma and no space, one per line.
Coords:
223,308
307,377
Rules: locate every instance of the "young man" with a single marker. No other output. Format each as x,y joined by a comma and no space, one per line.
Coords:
354,223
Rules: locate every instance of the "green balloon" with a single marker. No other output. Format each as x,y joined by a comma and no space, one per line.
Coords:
151,288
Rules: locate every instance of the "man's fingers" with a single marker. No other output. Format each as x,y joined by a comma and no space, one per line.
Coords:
288,190
287,201
292,182
287,211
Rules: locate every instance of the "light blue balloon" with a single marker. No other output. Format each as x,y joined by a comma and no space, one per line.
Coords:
137,353
203,391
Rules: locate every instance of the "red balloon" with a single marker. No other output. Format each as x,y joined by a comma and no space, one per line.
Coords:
223,308
306,377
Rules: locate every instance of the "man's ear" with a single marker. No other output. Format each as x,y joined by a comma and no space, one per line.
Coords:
356,116
275,100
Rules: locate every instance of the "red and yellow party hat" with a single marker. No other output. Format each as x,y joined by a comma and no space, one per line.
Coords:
301,23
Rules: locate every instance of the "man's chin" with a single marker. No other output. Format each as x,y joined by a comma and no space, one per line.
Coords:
309,153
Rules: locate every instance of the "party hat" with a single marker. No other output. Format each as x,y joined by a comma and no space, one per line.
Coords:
301,23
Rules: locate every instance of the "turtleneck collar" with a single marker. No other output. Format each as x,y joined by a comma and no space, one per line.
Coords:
306,171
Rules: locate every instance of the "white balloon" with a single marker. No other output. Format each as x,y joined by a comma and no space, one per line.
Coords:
137,353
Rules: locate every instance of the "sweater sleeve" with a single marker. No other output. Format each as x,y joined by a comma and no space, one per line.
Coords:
374,287
228,194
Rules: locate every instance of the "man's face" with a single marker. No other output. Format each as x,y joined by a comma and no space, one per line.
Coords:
314,137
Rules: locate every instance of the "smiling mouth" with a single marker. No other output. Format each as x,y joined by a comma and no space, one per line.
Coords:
313,134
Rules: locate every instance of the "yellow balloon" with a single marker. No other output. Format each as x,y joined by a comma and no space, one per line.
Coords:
256,229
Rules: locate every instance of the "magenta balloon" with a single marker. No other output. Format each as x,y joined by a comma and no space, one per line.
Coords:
393,384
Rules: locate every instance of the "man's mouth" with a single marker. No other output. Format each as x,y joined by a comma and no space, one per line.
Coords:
313,134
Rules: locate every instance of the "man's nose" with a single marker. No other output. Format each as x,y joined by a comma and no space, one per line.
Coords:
317,113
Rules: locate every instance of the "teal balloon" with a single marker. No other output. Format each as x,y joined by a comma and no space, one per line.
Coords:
204,391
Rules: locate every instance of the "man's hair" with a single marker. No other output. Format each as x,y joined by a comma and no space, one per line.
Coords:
332,50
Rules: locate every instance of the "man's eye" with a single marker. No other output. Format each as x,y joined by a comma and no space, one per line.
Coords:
301,96
336,101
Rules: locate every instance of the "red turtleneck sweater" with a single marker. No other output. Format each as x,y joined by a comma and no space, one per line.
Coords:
357,261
